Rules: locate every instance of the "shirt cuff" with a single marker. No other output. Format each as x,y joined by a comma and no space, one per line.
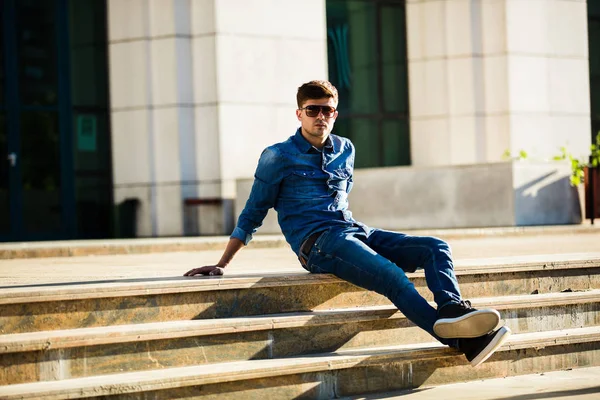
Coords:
242,235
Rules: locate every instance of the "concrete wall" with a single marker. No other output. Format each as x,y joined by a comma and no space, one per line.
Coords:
494,194
198,89
493,75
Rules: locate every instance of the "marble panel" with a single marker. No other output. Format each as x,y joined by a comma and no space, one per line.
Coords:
463,27
567,28
129,138
496,84
207,146
271,18
204,69
163,67
493,16
527,26
428,93
246,68
468,136
166,145
497,137
127,19
170,17
202,17
528,85
429,141
169,209
128,74
569,86
465,86
434,29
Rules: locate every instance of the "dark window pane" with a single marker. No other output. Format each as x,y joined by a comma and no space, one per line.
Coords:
594,55
2,50
396,150
352,54
393,58
368,64
363,133
40,162
88,53
4,169
595,129
593,8
36,41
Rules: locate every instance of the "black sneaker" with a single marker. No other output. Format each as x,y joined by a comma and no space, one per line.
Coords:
481,348
460,320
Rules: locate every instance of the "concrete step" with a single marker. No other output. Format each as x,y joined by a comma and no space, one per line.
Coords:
73,248
332,375
61,354
69,306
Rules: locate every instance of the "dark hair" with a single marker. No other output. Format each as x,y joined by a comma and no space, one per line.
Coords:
316,90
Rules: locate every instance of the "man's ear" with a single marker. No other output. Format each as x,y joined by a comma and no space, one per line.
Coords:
299,115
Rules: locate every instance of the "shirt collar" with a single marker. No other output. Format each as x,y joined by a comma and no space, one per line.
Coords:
304,146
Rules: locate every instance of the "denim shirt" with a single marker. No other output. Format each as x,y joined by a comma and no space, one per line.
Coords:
307,187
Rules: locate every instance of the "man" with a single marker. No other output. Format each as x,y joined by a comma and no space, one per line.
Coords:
307,179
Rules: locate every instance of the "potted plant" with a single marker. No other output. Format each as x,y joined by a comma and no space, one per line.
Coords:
588,173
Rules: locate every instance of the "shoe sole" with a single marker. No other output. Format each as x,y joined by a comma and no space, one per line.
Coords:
472,325
495,344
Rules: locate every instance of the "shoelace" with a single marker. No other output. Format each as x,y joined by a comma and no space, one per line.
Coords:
466,304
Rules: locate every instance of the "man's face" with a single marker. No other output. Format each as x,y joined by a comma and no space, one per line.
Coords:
320,125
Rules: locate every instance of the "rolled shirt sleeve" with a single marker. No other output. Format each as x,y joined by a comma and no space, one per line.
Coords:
263,195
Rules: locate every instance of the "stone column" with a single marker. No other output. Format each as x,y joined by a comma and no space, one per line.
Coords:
249,58
152,110
493,75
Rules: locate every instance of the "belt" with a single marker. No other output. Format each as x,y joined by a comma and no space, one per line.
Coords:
306,247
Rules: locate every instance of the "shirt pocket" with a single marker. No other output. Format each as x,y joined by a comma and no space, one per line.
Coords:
309,183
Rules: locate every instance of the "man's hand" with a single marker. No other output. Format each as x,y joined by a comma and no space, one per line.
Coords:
211,270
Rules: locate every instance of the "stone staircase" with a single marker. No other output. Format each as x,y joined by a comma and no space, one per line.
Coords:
281,336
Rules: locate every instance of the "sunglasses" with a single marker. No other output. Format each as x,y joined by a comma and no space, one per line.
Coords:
313,111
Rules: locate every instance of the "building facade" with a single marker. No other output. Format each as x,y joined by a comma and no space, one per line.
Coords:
141,117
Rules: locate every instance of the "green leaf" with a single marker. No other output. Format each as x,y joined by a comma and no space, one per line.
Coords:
522,154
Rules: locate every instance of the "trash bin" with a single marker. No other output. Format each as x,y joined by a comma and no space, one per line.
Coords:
127,218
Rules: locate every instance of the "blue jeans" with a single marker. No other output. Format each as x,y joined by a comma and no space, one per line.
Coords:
379,260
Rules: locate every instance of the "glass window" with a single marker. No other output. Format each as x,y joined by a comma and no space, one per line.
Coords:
36,41
396,149
91,126
89,52
2,50
40,166
368,64
4,171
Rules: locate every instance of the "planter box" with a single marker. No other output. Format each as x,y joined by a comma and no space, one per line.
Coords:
592,192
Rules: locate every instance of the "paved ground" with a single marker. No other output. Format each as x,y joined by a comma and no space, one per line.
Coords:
470,250
578,384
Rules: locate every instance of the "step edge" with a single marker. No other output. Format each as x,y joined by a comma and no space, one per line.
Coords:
201,284
256,369
93,336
